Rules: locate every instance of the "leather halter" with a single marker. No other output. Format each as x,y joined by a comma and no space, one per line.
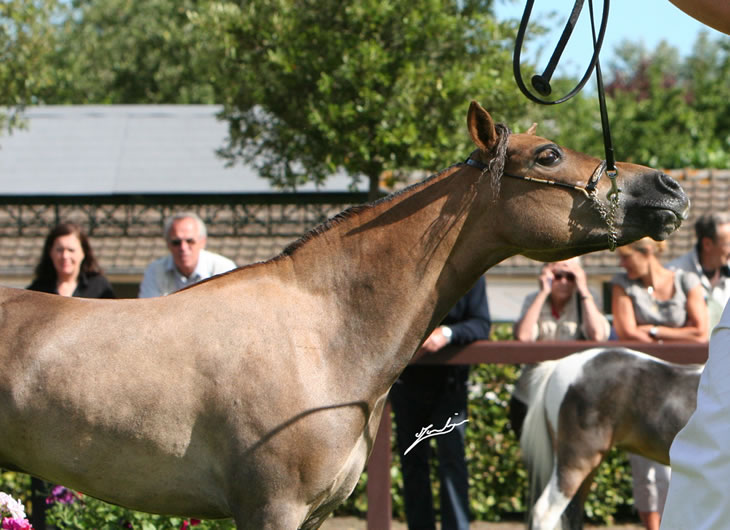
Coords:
588,190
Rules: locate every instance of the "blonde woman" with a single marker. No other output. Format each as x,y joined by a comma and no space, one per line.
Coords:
654,304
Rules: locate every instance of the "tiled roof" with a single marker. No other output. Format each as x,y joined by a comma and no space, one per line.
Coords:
259,232
125,238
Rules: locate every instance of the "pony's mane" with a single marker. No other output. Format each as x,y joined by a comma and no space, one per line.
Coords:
354,211
493,171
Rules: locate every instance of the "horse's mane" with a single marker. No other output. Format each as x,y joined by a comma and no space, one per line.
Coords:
354,211
493,171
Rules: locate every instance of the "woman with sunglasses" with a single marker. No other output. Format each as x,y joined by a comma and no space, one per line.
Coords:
654,304
563,309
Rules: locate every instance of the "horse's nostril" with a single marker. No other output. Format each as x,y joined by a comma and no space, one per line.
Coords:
669,182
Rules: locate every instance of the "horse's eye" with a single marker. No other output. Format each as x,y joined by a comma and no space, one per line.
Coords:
548,157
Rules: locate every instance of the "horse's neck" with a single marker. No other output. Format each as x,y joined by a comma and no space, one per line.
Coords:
395,268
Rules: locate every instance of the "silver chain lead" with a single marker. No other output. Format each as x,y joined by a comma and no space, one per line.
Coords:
609,214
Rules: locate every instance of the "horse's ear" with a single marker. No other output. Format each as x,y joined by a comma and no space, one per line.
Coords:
481,127
532,129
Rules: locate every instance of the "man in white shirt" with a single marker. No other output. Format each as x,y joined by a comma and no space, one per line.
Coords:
188,261
699,496
709,260
698,491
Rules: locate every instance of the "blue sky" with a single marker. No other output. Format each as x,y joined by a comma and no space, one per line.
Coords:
647,21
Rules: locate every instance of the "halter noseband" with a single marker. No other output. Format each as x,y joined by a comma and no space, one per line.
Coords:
589,190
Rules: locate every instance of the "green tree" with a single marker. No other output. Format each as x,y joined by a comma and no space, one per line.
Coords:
375,87
117,52
28,36
664,111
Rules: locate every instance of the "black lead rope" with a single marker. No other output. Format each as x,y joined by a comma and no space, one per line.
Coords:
541,83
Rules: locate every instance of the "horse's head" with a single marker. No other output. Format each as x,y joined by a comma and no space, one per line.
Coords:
557,202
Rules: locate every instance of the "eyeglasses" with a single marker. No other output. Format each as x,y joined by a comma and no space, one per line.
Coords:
178,242
564,276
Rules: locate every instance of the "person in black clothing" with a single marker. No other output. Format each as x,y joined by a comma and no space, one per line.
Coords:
427,396
67,267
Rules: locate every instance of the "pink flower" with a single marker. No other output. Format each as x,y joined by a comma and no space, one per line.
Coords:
62,495
186,524
10,523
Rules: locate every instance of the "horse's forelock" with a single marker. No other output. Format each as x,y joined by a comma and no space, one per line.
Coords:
495,166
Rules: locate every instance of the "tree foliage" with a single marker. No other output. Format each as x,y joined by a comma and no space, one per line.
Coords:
375,87
665,111
28,37
123,52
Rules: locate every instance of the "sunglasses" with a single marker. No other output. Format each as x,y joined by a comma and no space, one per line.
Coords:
564,275
178,242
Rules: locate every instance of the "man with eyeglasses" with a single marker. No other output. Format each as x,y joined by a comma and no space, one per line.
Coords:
188,261
709,260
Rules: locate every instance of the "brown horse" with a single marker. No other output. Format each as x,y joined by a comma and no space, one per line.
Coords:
257,394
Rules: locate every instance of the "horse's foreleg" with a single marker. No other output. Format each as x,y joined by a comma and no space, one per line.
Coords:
550,506
569,489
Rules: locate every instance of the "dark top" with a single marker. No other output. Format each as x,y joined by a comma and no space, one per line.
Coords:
469,321
96,286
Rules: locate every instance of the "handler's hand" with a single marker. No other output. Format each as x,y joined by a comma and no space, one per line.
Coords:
435,341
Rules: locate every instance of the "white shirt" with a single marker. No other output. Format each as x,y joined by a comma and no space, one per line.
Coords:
161,277
563,327
699,491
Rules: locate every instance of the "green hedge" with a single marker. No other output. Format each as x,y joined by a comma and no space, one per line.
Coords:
497,478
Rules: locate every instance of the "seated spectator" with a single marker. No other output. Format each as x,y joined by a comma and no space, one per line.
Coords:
709,260
68,266
653,304
188,261
563,309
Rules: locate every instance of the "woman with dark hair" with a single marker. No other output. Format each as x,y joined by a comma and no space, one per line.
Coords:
68,266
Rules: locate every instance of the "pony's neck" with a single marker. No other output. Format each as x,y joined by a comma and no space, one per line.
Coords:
395,268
